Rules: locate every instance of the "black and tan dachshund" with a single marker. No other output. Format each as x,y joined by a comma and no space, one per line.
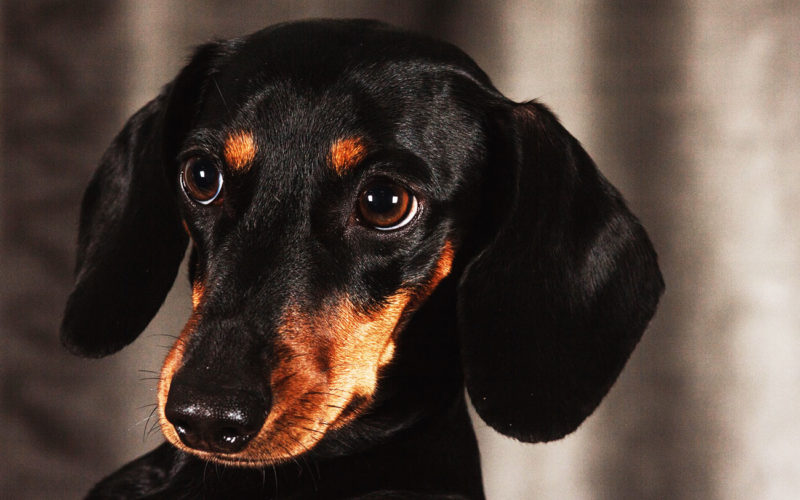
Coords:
373,227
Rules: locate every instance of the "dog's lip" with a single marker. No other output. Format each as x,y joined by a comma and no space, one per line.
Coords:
233,460
239,461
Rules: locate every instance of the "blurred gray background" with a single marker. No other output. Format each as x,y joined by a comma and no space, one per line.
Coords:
691,108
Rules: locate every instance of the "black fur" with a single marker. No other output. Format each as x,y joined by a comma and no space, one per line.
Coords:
553,283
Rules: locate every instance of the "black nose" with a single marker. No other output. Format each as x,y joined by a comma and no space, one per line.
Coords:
215,419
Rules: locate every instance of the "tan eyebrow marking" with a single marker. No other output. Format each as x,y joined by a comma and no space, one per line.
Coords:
240,150
345,153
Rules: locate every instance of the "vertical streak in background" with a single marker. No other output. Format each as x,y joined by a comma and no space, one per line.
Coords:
159,47
654,440
745,146
701,106
540,54
58,89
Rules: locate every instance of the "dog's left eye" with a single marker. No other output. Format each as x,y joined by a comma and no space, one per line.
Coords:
385,205
201,180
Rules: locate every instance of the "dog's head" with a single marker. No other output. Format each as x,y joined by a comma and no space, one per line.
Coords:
368,217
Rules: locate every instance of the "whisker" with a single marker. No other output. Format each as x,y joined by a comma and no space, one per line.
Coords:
284,379
280,425
301,417
168,335
310,472
305,461
322,393
142,421
219,91
338,390
289,454
294,356
147,423
153,428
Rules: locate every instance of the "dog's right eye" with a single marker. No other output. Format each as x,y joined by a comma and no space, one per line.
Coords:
385,206
201,180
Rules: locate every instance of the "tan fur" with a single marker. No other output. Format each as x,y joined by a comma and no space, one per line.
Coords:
346,153
240,150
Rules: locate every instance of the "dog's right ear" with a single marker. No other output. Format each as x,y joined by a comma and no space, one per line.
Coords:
131,240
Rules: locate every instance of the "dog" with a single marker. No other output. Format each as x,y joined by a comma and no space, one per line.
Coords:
373,228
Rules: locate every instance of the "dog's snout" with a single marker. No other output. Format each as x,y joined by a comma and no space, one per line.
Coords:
215,420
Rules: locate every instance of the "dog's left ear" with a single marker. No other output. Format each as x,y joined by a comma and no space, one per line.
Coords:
131,240
552,306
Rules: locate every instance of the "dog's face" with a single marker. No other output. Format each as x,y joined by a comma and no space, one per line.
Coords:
319,223
329,176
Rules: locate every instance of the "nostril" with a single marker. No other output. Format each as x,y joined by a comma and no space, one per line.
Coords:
186,434
231,436
181,428
231,440
213,432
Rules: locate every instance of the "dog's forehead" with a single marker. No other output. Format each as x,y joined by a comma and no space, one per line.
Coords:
320,52
337,67
287,135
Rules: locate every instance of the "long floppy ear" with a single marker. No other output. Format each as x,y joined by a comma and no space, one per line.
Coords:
551,308
131,240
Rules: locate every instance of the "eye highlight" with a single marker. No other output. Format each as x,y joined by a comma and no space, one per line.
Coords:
385,205
201,180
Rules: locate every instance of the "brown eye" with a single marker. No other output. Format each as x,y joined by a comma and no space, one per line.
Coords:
201,180
385,205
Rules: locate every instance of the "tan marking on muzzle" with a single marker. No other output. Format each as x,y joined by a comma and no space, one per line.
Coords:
326,359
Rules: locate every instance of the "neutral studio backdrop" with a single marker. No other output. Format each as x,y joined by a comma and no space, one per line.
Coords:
692,108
